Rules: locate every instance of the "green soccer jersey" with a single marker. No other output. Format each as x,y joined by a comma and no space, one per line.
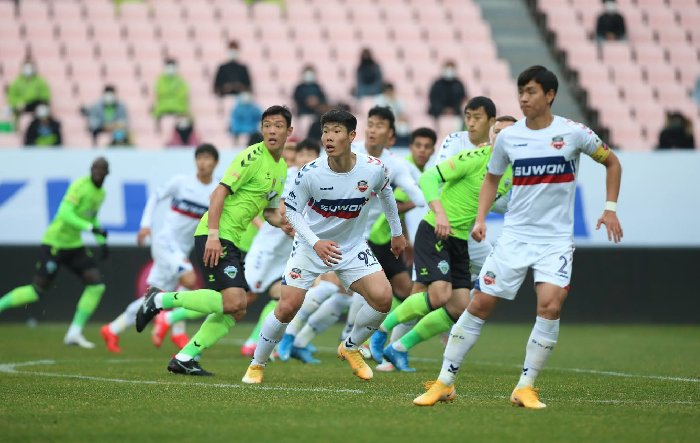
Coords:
380,234
462,176
78,212
255,181
248,236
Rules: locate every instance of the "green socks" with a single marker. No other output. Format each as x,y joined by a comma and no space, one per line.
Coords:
212,330
269,307
206,301
20,296
87,304
429,326
180,314
416,305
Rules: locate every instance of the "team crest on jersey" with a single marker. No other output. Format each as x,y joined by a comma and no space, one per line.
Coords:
295,273
362,185
489,278
444,267
558,142
231,271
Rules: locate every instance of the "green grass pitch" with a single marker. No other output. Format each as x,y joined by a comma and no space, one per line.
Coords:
603,383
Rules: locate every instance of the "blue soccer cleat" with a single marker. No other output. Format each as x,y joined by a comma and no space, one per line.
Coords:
376,345
304,355
398,359
312,348
284,348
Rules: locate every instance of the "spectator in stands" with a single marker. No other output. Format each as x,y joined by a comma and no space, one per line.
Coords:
232,77
184,133
403,132
677,133
44,130
28,90
314,131
121,136
447,93
369,76
172,92
308,95
107,114
389,99
245,118
611,24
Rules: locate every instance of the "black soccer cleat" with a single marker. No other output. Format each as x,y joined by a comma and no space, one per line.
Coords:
190,367
148,309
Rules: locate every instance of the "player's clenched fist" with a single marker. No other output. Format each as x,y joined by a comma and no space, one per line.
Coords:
328,251
479,231
398,244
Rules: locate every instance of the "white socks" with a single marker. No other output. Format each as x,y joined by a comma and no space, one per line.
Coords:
270,334
402,329
324,317
127,318
539,347
463,336
357,302
366,322
313,299
158,300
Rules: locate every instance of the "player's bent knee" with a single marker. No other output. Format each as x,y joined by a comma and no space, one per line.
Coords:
189,280
551,311
481,304
238,315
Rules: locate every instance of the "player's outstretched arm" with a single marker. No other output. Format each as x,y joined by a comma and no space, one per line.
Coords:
486,197
613,177
212,249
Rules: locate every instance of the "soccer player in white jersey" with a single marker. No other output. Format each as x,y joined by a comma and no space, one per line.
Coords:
172,244
267,257
326,208
544,152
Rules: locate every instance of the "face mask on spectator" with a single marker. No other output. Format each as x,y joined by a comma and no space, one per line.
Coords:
28,70
170,69
403,128
244,97
309,76
41,111
109,98
184,123
233,54
448,73
610,6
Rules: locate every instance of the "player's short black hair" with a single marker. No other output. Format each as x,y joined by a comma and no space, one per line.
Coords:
207,148
506,118
278,110
385,113
541,75
424,132
481,102
339,116
310,144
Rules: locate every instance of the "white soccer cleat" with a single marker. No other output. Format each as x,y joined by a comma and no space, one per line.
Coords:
77,339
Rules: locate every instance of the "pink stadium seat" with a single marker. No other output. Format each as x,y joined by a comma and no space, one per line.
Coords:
72,29
134,12
616,52
99,11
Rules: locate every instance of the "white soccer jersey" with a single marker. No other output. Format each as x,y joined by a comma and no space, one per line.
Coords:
452,145
189,200
400,175
545,163
334,203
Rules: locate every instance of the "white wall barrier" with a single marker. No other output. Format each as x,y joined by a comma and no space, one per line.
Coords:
659,203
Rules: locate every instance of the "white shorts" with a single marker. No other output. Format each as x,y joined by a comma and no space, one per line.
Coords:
505,268
264,266
304,266
169,263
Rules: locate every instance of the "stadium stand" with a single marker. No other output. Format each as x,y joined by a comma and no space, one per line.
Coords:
81,45
633,83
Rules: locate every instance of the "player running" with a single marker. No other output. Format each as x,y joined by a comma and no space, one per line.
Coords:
189,197
329,199
544,152
268,255
252,183
462,176
62,245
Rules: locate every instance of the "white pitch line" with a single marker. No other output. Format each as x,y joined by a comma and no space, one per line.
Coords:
10,368
578,370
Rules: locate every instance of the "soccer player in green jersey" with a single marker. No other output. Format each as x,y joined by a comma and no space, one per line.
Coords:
441,259
62,245
252,183
441,320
